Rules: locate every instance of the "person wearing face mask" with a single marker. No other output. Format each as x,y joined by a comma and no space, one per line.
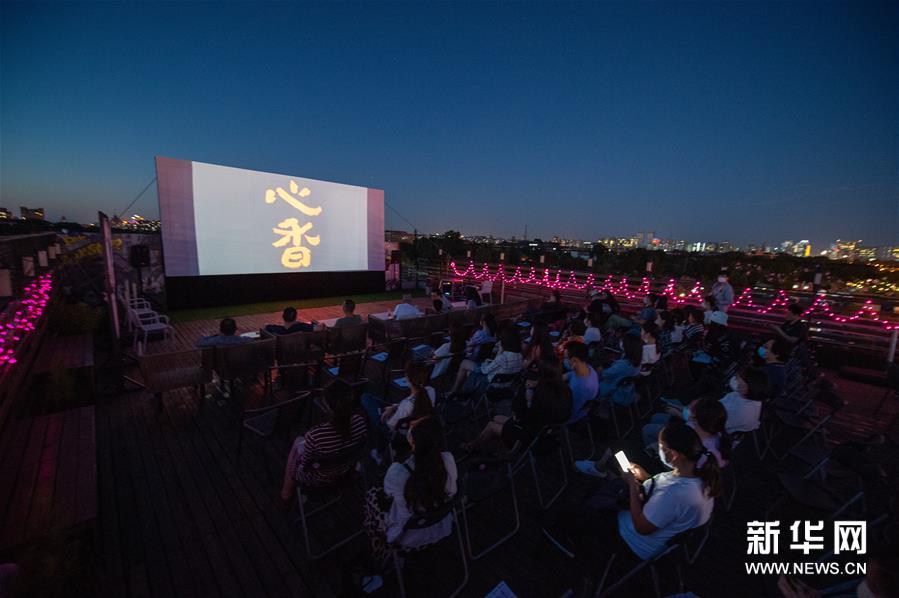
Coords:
743,403
710,311
649,334
774,355
659,507
648,313
707,416
593,332
722,292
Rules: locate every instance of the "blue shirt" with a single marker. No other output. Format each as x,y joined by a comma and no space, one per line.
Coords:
220,340
582,390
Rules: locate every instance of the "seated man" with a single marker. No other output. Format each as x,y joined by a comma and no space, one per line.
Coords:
405,311
227,336
290,323
441,302
349,316
582,379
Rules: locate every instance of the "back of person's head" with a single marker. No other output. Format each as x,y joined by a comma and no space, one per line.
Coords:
539,331
633,349
510,339
438,305
549,372
228,326
667,319
576,350
653,299
595,320
662,302
557,295
678,315
694,315
472,294
781,349
756,384
289,315
457,338
795,309
577,328
651,330
713,330
342,405
710,415
488,321
709,301
679,441
349,306
426,487
417,375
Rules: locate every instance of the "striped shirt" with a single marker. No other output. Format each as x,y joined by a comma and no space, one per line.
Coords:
692,330
323,441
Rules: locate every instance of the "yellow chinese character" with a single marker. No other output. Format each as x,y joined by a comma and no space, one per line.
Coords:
271,196
292,233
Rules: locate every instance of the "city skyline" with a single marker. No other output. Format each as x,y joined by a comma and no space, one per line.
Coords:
746,122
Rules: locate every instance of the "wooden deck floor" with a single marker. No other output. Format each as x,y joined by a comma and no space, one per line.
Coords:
182,515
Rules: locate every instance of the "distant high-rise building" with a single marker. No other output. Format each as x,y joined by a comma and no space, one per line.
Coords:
31,213
5,214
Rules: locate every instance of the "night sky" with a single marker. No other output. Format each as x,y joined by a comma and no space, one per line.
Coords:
703,121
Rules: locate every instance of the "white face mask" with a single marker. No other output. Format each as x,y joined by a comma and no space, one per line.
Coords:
664,459
722,279
734,383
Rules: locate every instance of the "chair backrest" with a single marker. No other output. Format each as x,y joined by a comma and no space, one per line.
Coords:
484,478
505,380
893,376
347,338
458,317
295,348
486,287
484,351
247,359
414,327
166,371
437,323
351,366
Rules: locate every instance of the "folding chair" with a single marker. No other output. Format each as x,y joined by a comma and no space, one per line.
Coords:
349,368
424,521
330,495
347,339
483,480
892,383
162,372
539,447
573,425
384,358
805,421
502,387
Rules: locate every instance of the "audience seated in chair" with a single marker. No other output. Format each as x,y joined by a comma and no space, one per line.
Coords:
472,298
289,324
707,416
648,312
582,379
349,318
441,302
774,355
748,392
649,335
658,507
454,346
421,483
227,336
344,430
405,311
546,400
626,366
483,335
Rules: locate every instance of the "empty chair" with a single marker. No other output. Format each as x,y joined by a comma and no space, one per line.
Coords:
169,371
483,481
345,339
486,291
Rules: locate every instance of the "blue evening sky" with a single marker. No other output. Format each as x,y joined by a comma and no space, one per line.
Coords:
737,120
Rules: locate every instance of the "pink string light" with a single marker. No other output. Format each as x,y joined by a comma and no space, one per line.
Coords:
22,320
820,307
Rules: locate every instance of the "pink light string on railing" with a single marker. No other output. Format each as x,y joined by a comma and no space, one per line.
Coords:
820,306
15,325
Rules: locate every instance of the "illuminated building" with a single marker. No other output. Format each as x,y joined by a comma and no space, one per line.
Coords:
31,213
5,214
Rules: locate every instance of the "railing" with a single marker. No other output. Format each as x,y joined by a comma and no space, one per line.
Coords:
849,322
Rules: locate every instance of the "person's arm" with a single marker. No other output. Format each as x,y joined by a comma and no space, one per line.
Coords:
490,366
641,523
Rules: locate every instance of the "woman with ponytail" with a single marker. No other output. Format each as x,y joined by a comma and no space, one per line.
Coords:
658,507
419,403
422,483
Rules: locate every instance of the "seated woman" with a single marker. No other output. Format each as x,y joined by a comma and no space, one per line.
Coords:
648,312
419,403
627,366
472,298
707,416
540,344
743,404
593,331
547,400
694,331
576,332
422,483
660,507
483,335
665,342
677,332
649,335
454,346
344,430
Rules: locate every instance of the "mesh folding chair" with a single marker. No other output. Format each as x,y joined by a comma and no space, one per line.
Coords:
806,422
628,384
162,372
502,387
545,443
328,496
386,357
424,521
893,386
348,367
484,480
578,426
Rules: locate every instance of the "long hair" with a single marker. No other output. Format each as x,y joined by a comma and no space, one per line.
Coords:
667,320
457,339
756,384
540,339
633,349
712,418
426,487
472,294
417,375
339,399
682,438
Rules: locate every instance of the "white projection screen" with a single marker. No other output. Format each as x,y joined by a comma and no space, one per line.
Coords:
218,220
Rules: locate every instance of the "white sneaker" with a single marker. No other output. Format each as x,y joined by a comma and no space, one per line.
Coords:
589,468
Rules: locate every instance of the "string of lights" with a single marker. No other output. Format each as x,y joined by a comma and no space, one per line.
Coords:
820,308
22,321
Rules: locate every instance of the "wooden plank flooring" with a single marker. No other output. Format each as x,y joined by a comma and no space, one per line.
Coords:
182,515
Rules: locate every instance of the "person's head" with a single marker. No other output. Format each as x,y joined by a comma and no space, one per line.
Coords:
694,315
649,333
341,406
678,315
426,487
708,303
228,327
556,295
488,323
794,312
577,328
755,384
510,339
632,346
651,300
681,449
775,351
723,276
289,315
471,294
577,354
349,306
666,321
593,320
438,305
709,415
457,338
549,372
417,374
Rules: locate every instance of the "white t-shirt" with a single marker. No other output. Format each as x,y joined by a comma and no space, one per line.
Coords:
676,505
404,311
405,407
742,414
650,354
677,335
441,365
593,335
395,484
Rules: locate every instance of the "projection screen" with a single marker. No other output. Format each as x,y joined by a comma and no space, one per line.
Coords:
218,220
